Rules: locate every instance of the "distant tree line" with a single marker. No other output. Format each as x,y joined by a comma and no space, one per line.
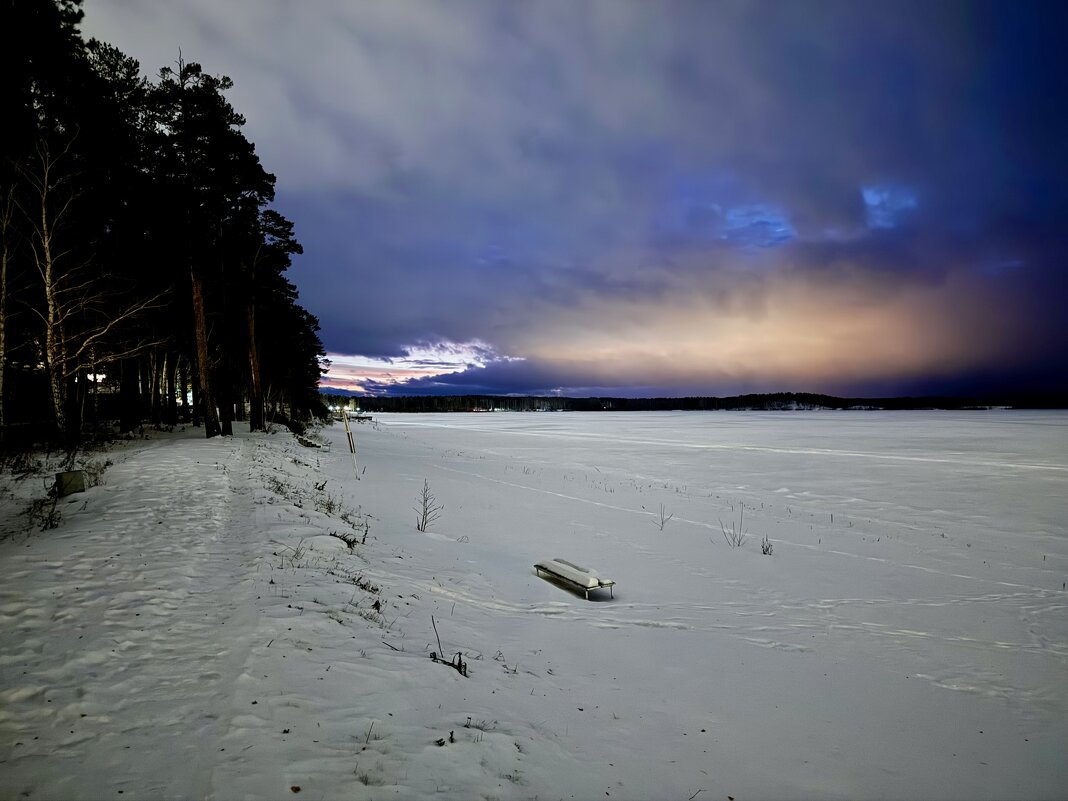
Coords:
779,401
143,272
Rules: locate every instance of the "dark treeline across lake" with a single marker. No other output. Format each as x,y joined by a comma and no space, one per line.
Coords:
779,401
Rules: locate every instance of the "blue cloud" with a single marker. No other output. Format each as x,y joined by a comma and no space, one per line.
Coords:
715,208
757,224
888,206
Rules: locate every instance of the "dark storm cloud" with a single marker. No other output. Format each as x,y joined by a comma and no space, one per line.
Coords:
553,176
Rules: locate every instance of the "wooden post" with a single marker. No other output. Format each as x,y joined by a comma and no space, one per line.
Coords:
352,442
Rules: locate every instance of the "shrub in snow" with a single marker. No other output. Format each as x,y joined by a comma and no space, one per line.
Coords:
734,536
662,520
427,509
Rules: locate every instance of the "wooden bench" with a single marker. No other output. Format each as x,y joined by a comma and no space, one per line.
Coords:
573,576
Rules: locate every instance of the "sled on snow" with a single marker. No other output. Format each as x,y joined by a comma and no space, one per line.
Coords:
573,577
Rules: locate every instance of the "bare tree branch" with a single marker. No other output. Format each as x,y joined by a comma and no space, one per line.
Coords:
92,338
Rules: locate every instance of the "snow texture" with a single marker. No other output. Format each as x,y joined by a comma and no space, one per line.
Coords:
212,620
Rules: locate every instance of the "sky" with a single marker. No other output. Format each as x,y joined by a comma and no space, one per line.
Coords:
656,198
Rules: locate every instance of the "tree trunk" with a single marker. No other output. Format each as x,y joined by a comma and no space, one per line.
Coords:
3,336
183,388
255,393
155,366
93,387
212,427
226,405
55,350
194,390
56,385
55,344
130,407
6,216
145,367
170,408
76,392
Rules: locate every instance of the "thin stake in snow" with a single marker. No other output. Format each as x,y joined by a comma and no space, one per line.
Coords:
457,661
435,625
352,442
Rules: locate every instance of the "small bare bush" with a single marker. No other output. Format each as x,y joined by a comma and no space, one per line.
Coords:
427,509
277,486
327,504
765,546
735,536
43,514
662,520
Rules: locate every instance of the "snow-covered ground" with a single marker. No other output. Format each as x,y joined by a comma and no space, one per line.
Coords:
191,629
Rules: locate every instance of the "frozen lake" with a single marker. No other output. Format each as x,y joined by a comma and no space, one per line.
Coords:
939,471
908,636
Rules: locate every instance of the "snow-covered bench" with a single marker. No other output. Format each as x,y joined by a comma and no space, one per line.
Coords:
574,576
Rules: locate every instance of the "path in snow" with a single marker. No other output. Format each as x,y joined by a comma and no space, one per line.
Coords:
132,620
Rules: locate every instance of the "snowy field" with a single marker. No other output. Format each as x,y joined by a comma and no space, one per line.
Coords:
191,629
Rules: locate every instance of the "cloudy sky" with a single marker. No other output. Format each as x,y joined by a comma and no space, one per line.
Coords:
657,197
